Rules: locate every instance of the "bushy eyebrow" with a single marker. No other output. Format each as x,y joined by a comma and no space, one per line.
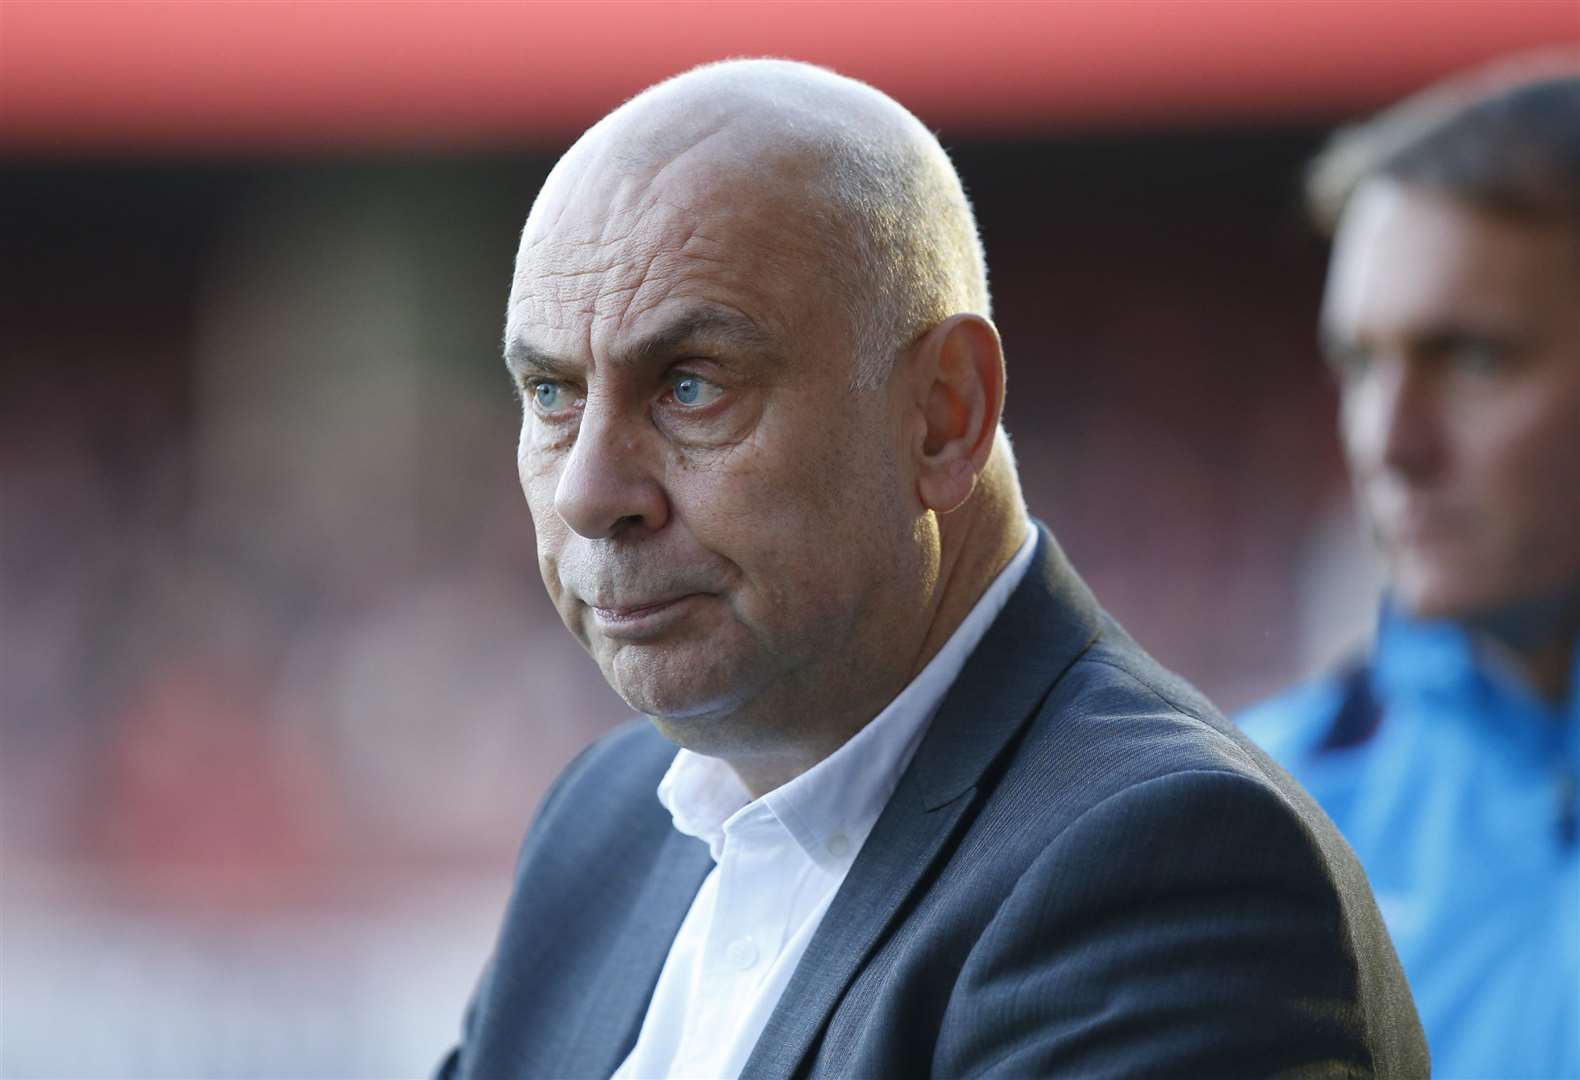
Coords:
706,325
522,357
1435,337
710,325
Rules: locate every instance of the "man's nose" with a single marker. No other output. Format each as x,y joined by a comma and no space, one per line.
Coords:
609,485
1397,425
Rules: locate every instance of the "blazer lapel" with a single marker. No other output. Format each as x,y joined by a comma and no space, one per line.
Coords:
617,995
902,846
1050,618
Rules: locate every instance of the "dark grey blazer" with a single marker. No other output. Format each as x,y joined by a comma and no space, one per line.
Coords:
1085,872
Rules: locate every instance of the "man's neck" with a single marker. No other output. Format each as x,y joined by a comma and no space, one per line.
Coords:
975,543
1536,640
969,567
1547,667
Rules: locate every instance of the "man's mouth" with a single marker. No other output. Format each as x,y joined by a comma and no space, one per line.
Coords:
1425,526
631,611
640,620
1417,520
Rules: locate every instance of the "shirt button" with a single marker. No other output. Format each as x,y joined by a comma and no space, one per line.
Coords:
839,845
742,952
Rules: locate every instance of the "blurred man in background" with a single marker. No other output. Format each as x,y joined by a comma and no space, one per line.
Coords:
1449,755
932,812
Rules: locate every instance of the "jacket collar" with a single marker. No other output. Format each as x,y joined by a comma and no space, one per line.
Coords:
1050,619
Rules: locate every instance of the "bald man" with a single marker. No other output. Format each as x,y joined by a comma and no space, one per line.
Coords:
906,801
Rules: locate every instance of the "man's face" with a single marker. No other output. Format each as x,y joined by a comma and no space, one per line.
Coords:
721,521
1456,339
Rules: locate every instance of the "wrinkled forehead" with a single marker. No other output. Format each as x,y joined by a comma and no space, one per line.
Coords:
618,232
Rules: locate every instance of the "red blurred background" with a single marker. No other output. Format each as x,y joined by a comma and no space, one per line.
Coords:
279,688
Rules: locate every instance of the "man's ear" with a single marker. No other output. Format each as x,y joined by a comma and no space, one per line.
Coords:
959,388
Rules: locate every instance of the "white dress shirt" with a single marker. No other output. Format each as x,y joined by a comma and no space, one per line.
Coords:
779,861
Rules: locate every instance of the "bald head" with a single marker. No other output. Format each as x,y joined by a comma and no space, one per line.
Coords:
761,400
862,192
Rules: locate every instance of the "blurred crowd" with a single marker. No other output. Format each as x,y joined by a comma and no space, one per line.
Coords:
275,651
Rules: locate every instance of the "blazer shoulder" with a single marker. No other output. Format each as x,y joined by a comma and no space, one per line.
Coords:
1116,658
1154,793
1117,701
635,747
613,780
1117,720
1224,893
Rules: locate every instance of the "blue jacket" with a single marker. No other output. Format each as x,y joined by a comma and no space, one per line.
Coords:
1457,788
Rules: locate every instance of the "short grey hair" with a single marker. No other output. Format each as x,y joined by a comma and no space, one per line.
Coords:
917,255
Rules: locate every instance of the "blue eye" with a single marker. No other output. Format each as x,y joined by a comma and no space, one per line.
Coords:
1477,357
691,391
546,394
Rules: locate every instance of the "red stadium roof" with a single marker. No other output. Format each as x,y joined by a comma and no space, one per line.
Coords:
138,76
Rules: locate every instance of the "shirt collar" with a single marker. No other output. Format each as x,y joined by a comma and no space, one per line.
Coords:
1420,657
830,808
1432,659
